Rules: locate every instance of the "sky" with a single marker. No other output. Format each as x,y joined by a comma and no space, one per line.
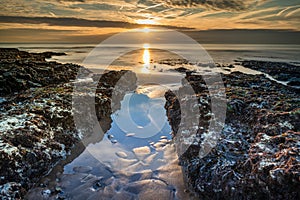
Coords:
90,21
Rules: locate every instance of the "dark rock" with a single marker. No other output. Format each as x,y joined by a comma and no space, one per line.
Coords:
50,54
20,70
182,70
173,62
37,125
257,156
279,70
294,82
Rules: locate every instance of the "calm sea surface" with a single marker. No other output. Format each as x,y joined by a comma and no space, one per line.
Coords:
220,53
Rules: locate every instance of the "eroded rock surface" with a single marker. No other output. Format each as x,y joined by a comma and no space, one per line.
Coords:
20,70
257,155
281,71
37,128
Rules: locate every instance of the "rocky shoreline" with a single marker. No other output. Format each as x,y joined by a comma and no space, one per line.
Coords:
280,71
257,155
37,126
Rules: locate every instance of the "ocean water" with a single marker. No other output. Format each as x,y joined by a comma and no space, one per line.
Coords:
219,53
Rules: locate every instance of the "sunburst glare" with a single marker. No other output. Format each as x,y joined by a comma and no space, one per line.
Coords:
146,21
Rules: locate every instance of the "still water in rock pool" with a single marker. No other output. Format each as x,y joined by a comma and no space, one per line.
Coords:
135,159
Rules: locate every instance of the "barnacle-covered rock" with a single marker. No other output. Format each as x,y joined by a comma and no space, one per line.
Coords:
37,128
257,155
20,70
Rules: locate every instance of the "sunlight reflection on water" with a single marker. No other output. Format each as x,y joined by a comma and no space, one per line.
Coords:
146,59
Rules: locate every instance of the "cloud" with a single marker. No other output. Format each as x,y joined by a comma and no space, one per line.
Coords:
294,12
82,1
76,22
289,11
258,13
199,14
95,6
235,5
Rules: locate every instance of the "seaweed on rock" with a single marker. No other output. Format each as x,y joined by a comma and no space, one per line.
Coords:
258,153
37,128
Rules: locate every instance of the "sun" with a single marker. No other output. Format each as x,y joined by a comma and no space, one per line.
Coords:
146,30
146,21
146,46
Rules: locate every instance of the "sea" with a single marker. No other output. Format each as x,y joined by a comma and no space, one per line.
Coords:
219,53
